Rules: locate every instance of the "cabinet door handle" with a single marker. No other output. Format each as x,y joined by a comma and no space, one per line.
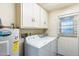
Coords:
44,22
33,20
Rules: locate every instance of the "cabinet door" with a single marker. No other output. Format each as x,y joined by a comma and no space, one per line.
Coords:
44,18
68,46
27,14
36,15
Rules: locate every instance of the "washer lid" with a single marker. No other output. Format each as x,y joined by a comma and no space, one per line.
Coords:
5,32
38,43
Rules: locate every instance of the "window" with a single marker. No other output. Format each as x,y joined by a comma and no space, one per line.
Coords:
67,25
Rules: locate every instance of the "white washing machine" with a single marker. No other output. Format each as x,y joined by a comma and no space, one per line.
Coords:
36,46
9,42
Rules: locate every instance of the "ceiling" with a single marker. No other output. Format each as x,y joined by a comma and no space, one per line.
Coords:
54,6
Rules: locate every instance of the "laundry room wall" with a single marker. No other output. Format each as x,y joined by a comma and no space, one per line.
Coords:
7,13
33,31
54,25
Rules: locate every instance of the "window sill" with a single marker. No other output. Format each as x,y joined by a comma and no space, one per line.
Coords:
65,35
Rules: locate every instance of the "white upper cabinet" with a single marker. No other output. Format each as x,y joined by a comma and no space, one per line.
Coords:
32,16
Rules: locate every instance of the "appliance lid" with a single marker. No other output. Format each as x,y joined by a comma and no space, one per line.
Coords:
5,32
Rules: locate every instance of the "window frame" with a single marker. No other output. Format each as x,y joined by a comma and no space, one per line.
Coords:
67,34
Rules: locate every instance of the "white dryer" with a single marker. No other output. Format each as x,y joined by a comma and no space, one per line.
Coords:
36,46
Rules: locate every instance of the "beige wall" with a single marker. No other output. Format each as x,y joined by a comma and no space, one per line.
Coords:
7,13
54,21
33,31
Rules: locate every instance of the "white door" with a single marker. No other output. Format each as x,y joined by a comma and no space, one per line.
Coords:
68,46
